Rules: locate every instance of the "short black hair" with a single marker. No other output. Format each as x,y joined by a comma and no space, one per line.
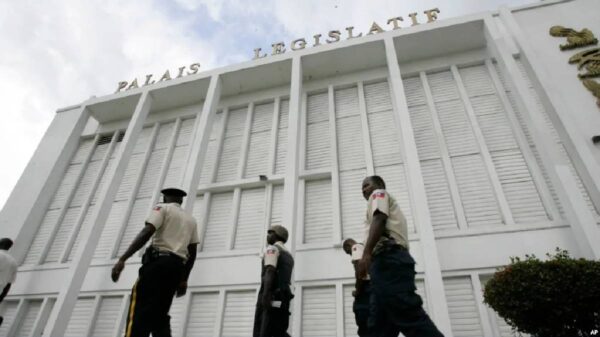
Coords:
6,243
377,180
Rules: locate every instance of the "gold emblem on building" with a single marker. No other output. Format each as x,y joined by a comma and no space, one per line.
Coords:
575,39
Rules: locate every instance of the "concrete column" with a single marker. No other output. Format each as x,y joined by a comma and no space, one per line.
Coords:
67,297
433,274
26,206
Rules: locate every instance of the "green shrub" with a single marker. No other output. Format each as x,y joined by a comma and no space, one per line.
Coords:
558,297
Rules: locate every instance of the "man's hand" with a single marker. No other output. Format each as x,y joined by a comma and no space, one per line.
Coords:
117,269
362,270
181,289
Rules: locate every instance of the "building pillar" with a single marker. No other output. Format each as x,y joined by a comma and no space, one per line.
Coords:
67,296
433,274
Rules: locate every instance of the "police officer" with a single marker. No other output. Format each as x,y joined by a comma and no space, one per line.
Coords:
272,315
395,306
166,265
362,288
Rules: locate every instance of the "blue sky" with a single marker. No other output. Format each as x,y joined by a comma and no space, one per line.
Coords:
57,53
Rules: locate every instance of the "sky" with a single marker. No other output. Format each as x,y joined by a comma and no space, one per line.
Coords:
57,53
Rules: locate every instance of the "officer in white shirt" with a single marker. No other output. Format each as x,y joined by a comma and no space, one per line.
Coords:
166,265
362,288
8,269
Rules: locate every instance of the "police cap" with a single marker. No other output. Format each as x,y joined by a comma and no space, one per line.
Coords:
173,191
280,231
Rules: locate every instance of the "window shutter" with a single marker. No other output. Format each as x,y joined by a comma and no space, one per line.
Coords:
203,314
260,140
277,205
151,174
87,222
251,219
238,318
210,158
139,213
174,172
219,222
438,193
318,311
350,327
385,137
317,132
317,211
354,206
282,133
108,313
41,237
27,323
178,315
111,230
66,185
64,230
396,185
462,307
8,310
231,154
80,318
185,132
130,176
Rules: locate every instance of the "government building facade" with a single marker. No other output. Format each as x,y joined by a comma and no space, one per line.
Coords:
479,125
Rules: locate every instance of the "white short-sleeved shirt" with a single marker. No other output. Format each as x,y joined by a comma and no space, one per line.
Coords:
272,254
396,227
175,229
8,269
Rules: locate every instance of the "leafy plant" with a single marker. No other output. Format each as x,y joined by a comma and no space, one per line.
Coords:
558,297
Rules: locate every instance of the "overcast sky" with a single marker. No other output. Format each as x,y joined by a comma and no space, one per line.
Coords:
58,53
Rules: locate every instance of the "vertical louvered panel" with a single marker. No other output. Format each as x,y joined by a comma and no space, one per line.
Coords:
377,97
317,132
85,185
175,170
413,90
101,149
87,222
64,230
258,152
317,211
8,310
230,158
519,188
439,198
457,129
165,132
151,174
185,132
80,318
111,230
284,107
421,292
130,176
350,143
443,86
103,180
238,318
251,219
219,222
41,237
353,203
141,145
210,158
176,312
66,186
350,328
236,122
83,150
107,315
494,124
277,205
425,137
462,307
476,192
477,81
202,316
197,209
135,223
27,323
346,102
395,182
262,118
319,312
385,138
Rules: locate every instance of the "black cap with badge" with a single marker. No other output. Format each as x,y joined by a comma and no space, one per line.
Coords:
174,191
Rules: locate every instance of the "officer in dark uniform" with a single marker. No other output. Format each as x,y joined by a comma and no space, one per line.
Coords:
362,288
394,306
166,265
272,315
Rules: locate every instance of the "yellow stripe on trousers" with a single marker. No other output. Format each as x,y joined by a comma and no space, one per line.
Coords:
131,309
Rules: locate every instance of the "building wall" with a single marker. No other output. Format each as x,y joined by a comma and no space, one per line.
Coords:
468,135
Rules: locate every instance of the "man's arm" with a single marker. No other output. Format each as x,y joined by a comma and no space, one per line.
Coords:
140,240
376,230
4,292
189,264
268,280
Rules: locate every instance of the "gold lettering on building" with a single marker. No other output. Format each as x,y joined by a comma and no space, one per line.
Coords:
375,29
350,34
125,85
298,44
334,35
432,14
395,21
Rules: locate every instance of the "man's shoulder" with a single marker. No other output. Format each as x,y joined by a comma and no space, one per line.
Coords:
7,258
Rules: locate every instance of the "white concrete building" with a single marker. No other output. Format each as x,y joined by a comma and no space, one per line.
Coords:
478,124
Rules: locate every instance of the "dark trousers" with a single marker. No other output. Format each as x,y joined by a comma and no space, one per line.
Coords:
271,322
151,297
394,305
361,309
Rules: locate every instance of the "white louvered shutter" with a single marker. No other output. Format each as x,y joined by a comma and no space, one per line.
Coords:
260,141
232,143
41,237
277,205
317,211
385,136
85,226
354,205
27,322
177,314
85,185
66,185
151,174
202,316
185,132
319,316
80,318
210,158
219,222
396,185
174,174
8,310
64,230
131,175
350,327
251,219
111,229
282,134
108,313
438,193
317,132
238,318
349,130
462,307
136,222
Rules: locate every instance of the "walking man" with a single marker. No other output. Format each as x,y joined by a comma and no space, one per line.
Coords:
272,315
394,305
8,269
362,288
166,265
